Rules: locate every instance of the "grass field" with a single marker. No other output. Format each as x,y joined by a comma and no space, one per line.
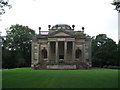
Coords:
29,78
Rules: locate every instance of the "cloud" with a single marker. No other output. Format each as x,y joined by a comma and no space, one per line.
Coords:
97,16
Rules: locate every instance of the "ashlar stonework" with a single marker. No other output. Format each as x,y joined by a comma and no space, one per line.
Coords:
61,48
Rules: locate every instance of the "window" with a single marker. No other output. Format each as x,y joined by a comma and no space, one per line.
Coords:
44,53
78,53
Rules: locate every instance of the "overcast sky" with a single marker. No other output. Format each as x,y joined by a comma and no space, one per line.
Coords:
97,16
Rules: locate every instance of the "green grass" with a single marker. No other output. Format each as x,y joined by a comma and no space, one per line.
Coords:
29,78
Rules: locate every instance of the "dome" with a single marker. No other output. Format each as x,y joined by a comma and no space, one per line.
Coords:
61,26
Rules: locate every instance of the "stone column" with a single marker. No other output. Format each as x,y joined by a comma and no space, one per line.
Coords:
48,55
90,52
73,51
83,52
65,50
56,51
37,52
32,54
40,53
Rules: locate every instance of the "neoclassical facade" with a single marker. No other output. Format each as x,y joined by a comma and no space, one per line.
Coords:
61,48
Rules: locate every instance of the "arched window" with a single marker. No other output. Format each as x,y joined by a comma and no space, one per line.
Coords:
78,53
44,53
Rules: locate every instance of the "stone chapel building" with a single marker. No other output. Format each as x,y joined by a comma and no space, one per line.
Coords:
61,48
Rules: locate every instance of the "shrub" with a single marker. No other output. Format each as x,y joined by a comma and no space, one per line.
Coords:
61,60
111,67
105,66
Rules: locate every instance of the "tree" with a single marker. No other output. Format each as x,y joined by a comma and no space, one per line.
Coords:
18,42
104,51
4,4
117,4
118,53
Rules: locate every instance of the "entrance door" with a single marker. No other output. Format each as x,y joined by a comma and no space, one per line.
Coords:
61,56
61,51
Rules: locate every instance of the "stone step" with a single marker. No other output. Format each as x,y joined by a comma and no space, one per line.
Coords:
61,67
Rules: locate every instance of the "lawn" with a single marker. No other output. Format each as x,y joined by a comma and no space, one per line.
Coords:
29,78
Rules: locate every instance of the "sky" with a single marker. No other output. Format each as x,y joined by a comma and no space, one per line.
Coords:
97,16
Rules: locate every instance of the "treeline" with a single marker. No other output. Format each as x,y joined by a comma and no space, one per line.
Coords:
105,51
16,48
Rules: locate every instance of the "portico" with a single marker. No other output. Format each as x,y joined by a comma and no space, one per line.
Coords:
61,48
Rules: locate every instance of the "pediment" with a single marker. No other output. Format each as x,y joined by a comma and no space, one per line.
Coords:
61,34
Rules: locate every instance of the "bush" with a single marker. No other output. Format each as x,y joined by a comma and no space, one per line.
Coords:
61,60
111,67
105,66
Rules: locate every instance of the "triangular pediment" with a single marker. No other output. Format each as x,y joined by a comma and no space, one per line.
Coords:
61,34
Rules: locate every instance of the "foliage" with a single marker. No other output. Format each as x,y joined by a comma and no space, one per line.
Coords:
17,45
118,56
111,67
61,60
104,51
117,4
3,4
93,78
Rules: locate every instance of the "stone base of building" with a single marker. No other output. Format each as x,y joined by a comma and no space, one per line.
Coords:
62,66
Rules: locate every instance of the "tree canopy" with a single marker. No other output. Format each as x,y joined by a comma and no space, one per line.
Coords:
104,51
4,4
17,45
